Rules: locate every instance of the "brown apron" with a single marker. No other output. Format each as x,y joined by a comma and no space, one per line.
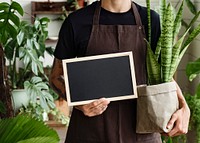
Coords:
118,123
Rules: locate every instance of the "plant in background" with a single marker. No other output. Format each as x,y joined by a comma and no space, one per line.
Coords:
25,42
73,6
192,71
28,46
9,22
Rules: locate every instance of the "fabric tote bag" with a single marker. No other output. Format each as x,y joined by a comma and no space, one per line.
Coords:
155,106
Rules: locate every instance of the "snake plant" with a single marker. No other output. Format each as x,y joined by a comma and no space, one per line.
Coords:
162,64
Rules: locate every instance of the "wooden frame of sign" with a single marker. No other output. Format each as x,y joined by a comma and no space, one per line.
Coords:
89,78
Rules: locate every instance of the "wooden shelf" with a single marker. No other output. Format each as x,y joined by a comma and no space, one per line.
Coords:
49,8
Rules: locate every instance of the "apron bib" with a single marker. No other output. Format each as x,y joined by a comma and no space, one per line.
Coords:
118,123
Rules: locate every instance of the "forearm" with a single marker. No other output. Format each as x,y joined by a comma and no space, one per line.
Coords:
181,98
56,79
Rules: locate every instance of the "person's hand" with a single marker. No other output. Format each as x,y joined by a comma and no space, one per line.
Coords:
94,108
179,121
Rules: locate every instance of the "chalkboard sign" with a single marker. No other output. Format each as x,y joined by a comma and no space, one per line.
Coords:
89,78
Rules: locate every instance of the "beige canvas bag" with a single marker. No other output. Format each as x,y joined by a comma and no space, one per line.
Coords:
155,106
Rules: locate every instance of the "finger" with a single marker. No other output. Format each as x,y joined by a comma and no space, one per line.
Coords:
172,121
99,103
177,129
97,111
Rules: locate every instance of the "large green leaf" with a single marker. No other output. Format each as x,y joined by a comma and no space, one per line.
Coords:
167,42
176,55
9,20
24,129
36,88
16,6
193,69
153,68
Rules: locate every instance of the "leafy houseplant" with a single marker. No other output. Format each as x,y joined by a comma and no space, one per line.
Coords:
25,42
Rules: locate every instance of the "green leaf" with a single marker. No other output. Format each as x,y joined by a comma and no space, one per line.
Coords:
20,37
23,128
176,55
10,48
194,19
198,91
177,22
2,108
167,43
149,19
16,6
40,140
36,79
163,8
4,6
15,19
153,68
191,37
193,69
191,6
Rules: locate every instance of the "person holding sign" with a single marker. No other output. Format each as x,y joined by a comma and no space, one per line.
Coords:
110,26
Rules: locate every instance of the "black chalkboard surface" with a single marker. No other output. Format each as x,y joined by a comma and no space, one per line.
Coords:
89,78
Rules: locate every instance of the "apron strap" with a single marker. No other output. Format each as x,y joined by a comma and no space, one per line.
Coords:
97,13
136,14
98,9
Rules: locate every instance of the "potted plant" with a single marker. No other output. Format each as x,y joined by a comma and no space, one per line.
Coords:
161,66
26,42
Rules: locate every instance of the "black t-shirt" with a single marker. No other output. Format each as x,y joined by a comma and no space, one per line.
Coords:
75,31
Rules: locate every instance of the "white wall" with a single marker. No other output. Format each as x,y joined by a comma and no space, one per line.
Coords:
192,53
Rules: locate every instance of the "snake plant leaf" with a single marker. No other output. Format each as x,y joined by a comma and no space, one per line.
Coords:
163,8
191,37
167,40
175,55
158,48
194,19
149,20
191,6
23,129
153,68
193,69
177,22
